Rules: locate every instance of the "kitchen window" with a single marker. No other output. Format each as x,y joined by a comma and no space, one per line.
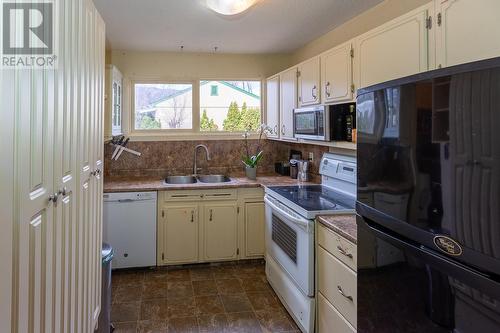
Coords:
236,106
163,106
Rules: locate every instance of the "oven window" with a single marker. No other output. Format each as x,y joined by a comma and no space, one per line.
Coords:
285,237
306,123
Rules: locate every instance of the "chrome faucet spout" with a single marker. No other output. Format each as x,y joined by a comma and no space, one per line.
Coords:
195,168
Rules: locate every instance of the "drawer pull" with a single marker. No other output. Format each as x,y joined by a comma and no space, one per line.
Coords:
344,252
341,292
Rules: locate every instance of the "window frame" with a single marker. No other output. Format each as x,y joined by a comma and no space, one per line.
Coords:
195,132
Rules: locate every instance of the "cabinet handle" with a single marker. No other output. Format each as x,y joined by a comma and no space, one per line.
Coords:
53,198
327,89
341,292
283,129
313,92
344,252
211,213
275,129
192,216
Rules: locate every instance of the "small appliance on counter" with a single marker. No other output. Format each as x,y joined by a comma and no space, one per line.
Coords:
282,168
303,170
295,155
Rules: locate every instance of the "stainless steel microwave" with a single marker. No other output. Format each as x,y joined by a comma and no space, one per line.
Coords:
313,123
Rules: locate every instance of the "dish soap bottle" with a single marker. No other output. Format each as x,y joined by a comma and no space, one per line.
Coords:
349,122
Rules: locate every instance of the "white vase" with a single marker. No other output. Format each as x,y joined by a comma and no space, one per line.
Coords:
251,172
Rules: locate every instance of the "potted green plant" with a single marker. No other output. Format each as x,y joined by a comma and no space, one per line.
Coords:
252,160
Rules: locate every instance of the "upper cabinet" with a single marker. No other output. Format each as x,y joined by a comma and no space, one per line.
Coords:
467,30
396,49
273,105
336,74
309,82
114,101
288,101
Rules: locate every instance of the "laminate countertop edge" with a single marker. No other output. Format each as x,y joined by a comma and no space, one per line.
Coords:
344,225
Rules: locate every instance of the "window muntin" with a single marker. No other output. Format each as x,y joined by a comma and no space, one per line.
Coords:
235,108
163,106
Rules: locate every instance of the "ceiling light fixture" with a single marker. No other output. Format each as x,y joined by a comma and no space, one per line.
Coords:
230,7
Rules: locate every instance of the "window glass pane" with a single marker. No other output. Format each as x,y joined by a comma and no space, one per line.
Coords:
232,106
163,106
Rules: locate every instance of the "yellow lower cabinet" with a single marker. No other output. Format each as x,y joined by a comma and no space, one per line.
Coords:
220,231
178,229
329,319
254,229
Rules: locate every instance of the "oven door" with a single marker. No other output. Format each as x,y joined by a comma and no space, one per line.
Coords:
290,242
309,123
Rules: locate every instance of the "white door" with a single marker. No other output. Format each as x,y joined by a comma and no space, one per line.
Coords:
178,242
309,82
467,30
288,102
220,231
336,74
396,49
273,105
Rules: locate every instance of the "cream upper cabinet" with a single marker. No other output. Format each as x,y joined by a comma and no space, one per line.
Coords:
288,102
336,74
178,229
395,49
309,82
273,105
254,229
467,30
220,236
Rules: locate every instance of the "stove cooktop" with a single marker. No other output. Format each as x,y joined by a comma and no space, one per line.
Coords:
315,197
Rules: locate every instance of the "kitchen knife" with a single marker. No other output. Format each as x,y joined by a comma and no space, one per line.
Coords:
118,144
121,149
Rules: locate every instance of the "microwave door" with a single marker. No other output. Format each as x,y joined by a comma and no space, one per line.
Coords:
309,125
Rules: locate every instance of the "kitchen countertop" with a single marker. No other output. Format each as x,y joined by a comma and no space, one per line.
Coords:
112,184
344,225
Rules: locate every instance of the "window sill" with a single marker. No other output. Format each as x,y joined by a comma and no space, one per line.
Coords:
188,136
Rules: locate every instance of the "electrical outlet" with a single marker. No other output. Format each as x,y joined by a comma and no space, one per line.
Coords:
311,156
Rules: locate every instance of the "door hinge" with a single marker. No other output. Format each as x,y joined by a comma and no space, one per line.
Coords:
163,256
237,252
439,19
352,88
162,213
428,23
352,53
298,73
238,210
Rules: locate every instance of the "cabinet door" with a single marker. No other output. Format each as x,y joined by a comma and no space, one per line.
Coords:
336,76
288,102
273,105
467,30
178,241
220,231
309,92
254,229
393,50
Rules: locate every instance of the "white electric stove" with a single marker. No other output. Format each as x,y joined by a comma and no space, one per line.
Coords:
290,225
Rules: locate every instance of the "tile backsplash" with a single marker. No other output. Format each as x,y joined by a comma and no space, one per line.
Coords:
163,158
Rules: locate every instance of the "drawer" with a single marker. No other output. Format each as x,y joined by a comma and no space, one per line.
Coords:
338,283
330,320
199,195
337,245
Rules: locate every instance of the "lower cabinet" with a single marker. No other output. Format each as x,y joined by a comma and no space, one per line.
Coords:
178,230
220,231
210,225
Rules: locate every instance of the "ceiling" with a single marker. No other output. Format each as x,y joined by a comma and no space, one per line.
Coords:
271,26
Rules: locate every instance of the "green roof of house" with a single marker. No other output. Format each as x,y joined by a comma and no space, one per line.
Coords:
183,91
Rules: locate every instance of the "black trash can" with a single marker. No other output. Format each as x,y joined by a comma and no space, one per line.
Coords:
105,325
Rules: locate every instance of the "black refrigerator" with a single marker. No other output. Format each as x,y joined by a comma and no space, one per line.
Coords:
428,202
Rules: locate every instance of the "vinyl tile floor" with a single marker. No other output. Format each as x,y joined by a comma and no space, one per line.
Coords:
219,298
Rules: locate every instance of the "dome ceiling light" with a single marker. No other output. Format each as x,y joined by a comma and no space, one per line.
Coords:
230,7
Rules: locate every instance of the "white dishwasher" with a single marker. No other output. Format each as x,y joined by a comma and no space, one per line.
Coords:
130,228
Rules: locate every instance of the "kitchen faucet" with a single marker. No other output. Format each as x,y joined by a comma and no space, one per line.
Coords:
195,169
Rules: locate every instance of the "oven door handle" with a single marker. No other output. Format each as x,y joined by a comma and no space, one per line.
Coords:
301,222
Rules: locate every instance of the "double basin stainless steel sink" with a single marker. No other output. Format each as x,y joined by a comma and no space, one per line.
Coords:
195,179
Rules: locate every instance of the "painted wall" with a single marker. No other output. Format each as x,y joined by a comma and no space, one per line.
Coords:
360,24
